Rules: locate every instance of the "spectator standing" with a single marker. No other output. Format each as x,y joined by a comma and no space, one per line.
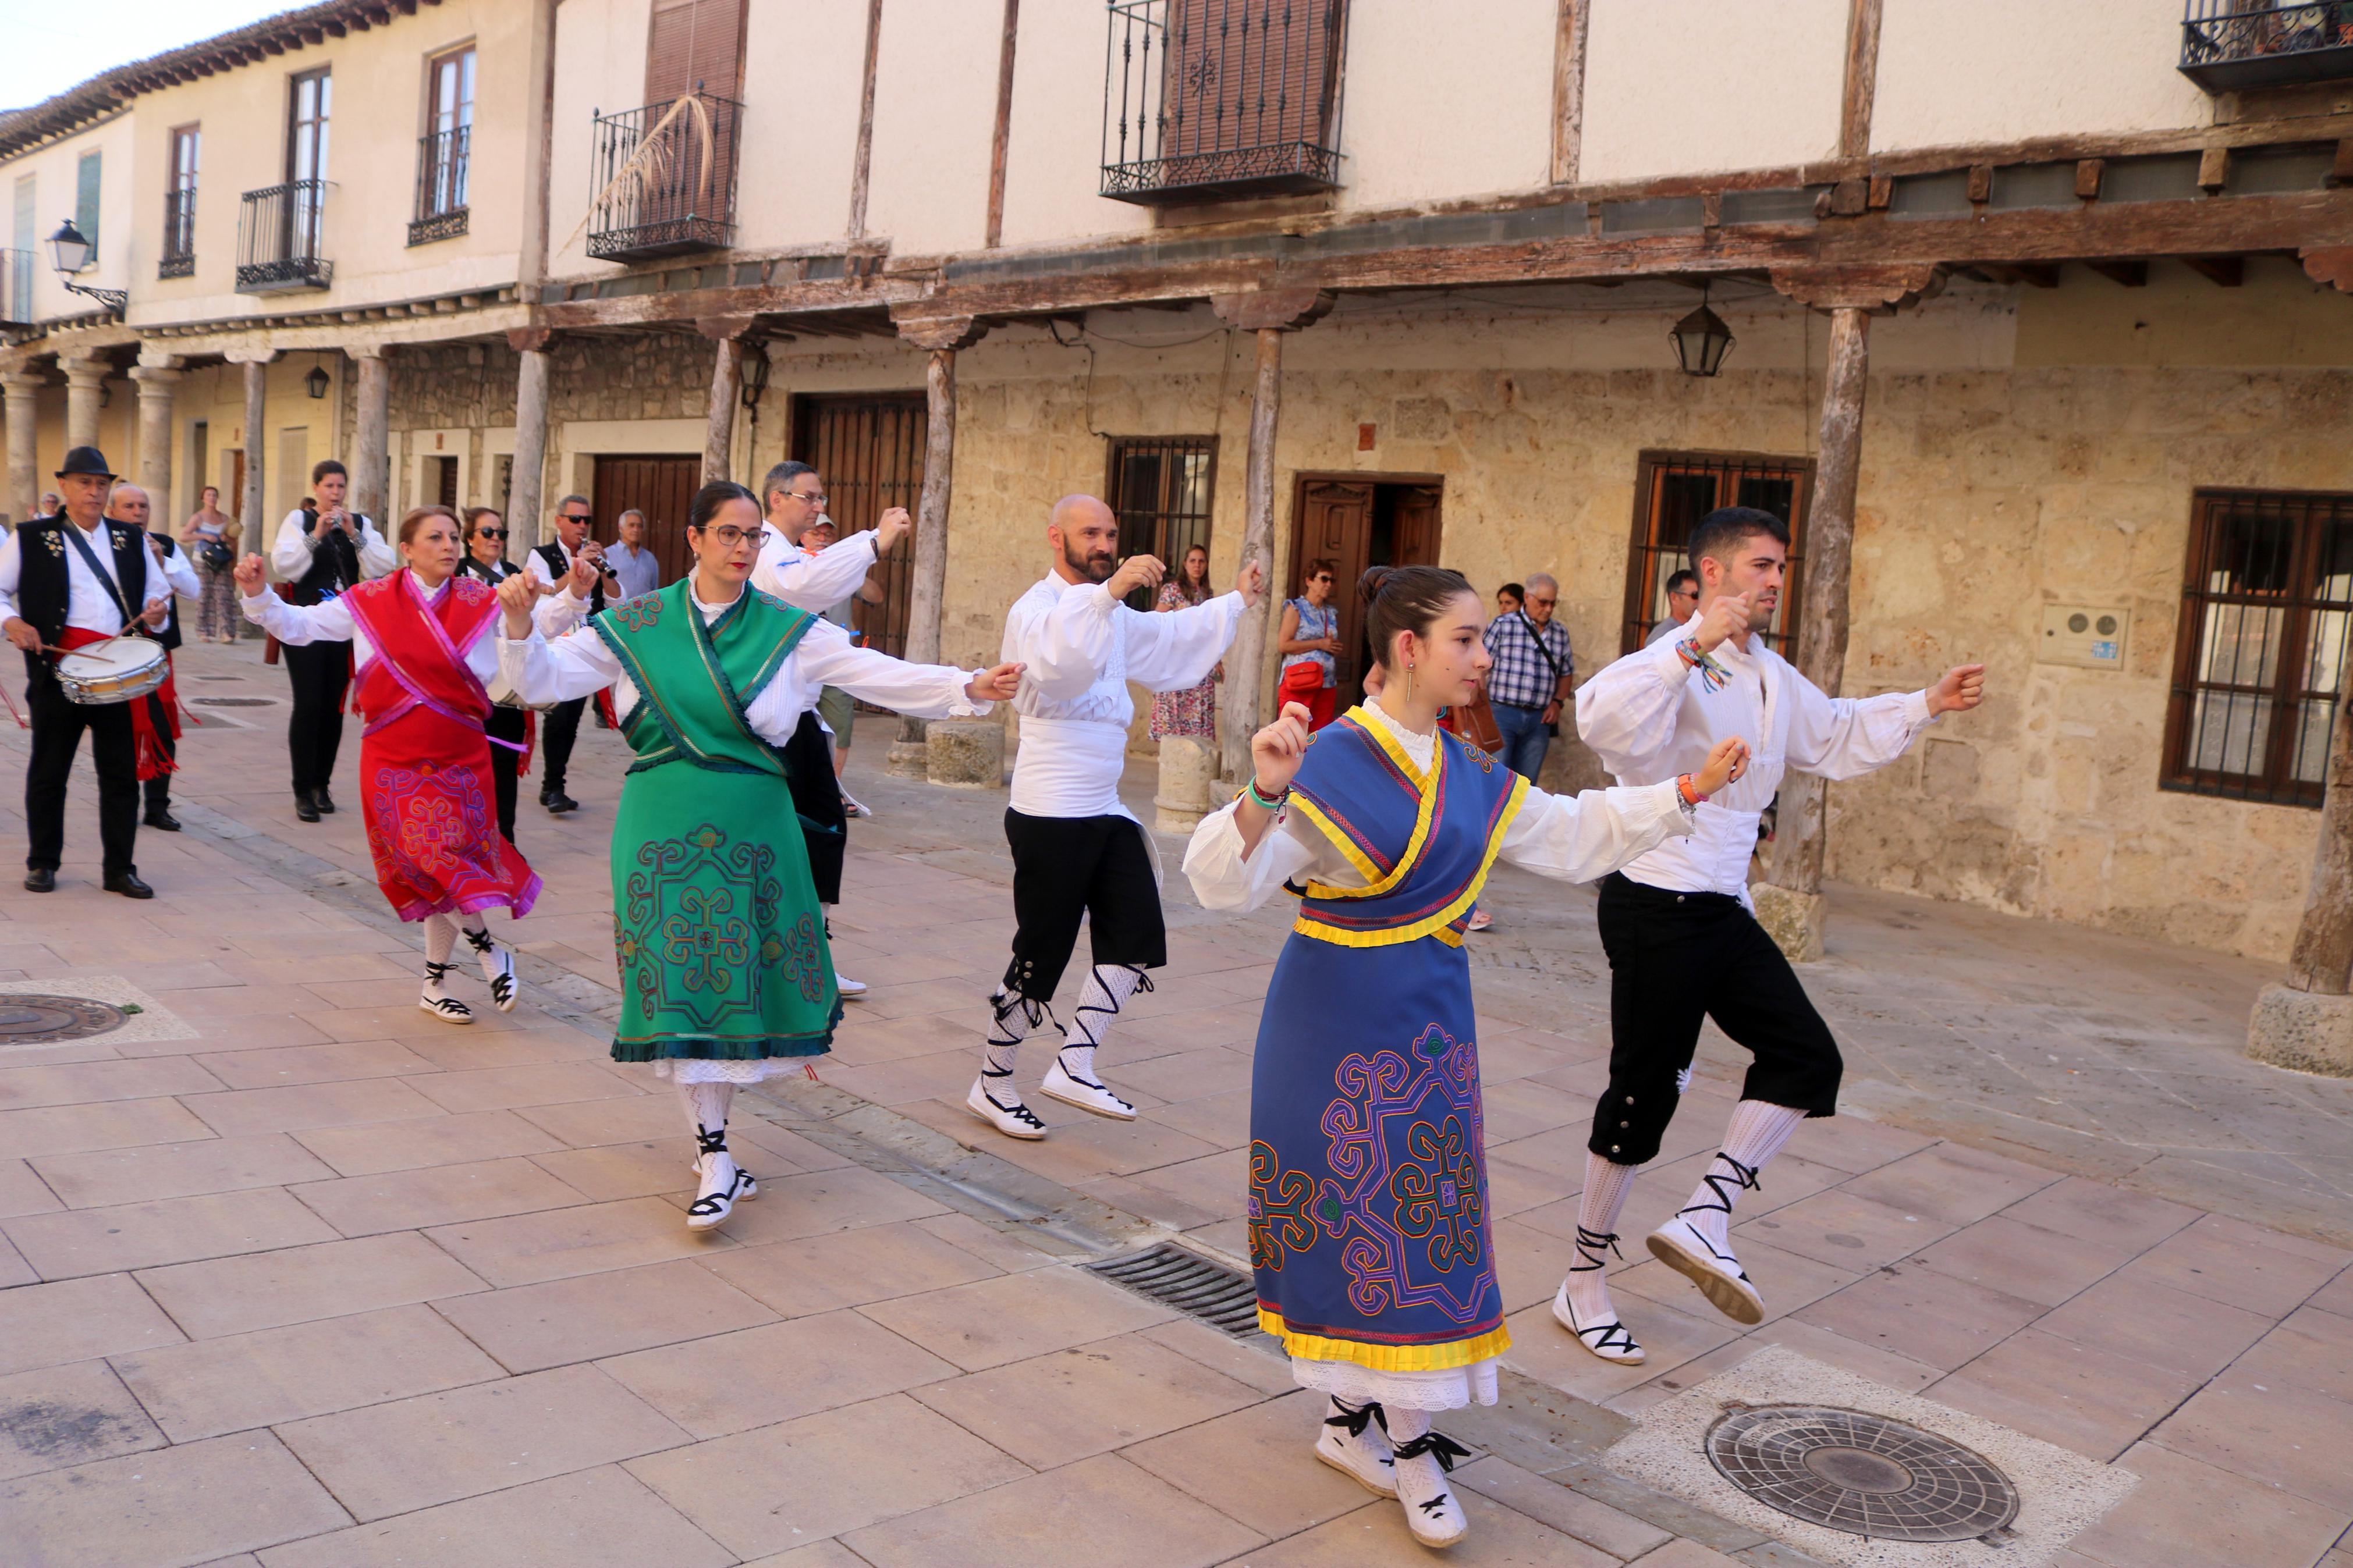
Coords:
1510,597
1191,713
1531,677
1310,638
633,565
1682,603
510,728
210,536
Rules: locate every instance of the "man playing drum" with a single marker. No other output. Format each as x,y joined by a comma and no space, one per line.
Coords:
69,582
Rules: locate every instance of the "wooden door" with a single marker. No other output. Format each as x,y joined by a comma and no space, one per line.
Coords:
869,450
1417,527
660,486
1336,524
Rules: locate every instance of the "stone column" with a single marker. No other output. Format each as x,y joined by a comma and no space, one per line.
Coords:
371,457
530,439
85,385
156,377
912,753
726,390
260,531
1790,906
23,390
1269,314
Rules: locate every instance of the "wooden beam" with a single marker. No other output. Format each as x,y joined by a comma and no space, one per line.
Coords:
1861,84
1002,138
2332,265
1272,310
2322,954
2222,271
2088,173
2213,168
1980,184
2340,169
1569,88
865,157
1855,288
2131,274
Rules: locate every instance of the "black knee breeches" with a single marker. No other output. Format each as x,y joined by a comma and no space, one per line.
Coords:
1676,959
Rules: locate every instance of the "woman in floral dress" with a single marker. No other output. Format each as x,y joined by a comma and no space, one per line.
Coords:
1192,713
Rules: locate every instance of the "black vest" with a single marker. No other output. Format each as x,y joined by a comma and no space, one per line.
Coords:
551,556
168,634
44,589
334,566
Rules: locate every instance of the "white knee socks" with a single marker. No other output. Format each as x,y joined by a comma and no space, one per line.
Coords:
441,938
1016,1019
1606,1186
706,1105
1108,985
1757,1132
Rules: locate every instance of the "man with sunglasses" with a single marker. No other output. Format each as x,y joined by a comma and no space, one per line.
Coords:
1532,677
547,566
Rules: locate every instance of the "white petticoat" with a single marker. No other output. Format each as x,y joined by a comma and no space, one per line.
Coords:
694,1069
1446,1388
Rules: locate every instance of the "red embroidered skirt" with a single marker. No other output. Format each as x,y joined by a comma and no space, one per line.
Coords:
432,822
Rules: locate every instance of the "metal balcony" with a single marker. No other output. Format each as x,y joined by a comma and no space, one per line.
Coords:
665,182
441,175
179,257
2235,46
15,288
280,234
1214,100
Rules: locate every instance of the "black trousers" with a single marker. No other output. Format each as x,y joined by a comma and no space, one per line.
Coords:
321,673
57,724
159,788
816,797
505,724
559,728
1068,867
1676,959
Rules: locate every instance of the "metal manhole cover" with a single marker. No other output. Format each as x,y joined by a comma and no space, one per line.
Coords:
234,701
33,1018
1863,1474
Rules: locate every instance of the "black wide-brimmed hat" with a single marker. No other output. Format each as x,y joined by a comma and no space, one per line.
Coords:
87,460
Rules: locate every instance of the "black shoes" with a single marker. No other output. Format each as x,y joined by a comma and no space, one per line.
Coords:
162,819
326,807
128,884
306,805
558,803
41,880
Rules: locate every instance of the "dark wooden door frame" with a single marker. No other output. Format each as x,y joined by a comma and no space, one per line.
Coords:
662,495
1343,593
860,488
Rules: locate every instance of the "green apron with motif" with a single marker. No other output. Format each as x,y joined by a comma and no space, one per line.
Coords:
721,938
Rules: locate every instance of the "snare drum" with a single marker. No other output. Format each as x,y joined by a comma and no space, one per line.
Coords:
122,670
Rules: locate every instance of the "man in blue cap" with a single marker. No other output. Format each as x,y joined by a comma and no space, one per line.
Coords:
65,580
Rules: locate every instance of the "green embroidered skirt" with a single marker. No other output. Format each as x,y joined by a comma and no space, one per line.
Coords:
720,938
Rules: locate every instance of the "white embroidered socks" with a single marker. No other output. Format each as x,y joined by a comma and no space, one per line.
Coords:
1606,1186
1757,1132
1108,987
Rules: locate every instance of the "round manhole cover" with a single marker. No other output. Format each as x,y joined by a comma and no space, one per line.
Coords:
31,1019
234,701
1863,1474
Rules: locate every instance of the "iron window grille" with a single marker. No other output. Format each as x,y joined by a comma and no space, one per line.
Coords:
1208,99
1672,491
280,231
1161,489
15,288
679,196
441,171
2230,46
2259,663
179,257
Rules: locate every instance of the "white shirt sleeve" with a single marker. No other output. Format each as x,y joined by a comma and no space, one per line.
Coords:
181,573
539,671
828,657
1067,648
556,613
12,572
290,556
1580,837
1174,649
817,582
376,556
1225,878
296,624
1627,711
533,567
1841,737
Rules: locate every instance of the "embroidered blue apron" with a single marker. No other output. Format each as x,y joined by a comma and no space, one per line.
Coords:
1368,1216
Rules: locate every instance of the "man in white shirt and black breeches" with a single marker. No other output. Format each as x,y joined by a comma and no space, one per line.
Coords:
546,566
1678,924
1077,852
129,504
323,554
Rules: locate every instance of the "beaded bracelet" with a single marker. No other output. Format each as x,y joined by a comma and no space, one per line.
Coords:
1250,789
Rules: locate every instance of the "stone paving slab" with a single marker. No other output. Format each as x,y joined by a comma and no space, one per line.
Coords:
328,1282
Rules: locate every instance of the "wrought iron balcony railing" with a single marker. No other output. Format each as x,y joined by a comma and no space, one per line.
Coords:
1208,99
665,179
179,257
2231,45
280,232
15,288
441,171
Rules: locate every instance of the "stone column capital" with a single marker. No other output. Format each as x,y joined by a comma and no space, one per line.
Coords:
25,383
154,358
530,340
248,355
85,372
366,350
156,375
935,332
1281,309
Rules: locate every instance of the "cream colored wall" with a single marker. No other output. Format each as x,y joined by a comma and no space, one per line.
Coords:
601,67
2009,70
1054,153
1680,86
1436,110
54,169
935,122
804,69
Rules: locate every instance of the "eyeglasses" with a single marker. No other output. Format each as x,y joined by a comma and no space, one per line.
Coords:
572,517
732,536
1547,604
818,498
490,533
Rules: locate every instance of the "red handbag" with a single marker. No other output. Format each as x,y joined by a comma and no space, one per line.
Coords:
1300,682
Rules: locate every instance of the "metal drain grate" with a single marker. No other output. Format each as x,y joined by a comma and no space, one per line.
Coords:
234,701
1865,1475
28,1018
1190,1283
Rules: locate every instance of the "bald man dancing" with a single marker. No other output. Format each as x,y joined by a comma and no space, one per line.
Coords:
1076,850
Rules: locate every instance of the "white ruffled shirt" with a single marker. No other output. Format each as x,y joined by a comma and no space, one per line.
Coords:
817,580
1082,648
332,621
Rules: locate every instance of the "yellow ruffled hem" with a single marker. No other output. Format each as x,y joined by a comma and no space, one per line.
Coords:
1387,1358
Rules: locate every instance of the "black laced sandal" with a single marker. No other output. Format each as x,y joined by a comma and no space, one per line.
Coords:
710,1208
447,1008
1685,1248
1611,1340
1346,1444
502,984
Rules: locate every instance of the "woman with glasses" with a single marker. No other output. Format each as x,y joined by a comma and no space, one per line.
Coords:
512,726
726,974
1310,645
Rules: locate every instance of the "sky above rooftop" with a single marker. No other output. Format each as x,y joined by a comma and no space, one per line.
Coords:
53,45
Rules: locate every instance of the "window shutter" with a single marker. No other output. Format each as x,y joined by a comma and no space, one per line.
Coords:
86,201
694,41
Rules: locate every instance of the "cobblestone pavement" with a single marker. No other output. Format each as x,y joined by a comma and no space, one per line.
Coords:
330,1283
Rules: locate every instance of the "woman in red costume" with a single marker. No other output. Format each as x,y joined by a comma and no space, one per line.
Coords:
424,644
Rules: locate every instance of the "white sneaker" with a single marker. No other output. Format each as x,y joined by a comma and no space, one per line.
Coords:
725,1184
1715,1271
853,806
1432,1512
1014,1120
1353,1443
439,1002
850,989
1085,1093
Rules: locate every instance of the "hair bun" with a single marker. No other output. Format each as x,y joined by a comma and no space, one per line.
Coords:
1368,586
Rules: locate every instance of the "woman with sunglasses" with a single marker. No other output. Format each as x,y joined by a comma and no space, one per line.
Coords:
511,727
726,976
1309,641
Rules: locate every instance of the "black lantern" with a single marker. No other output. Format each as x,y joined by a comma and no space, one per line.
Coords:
315,384
69,251
754,371
1701,340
